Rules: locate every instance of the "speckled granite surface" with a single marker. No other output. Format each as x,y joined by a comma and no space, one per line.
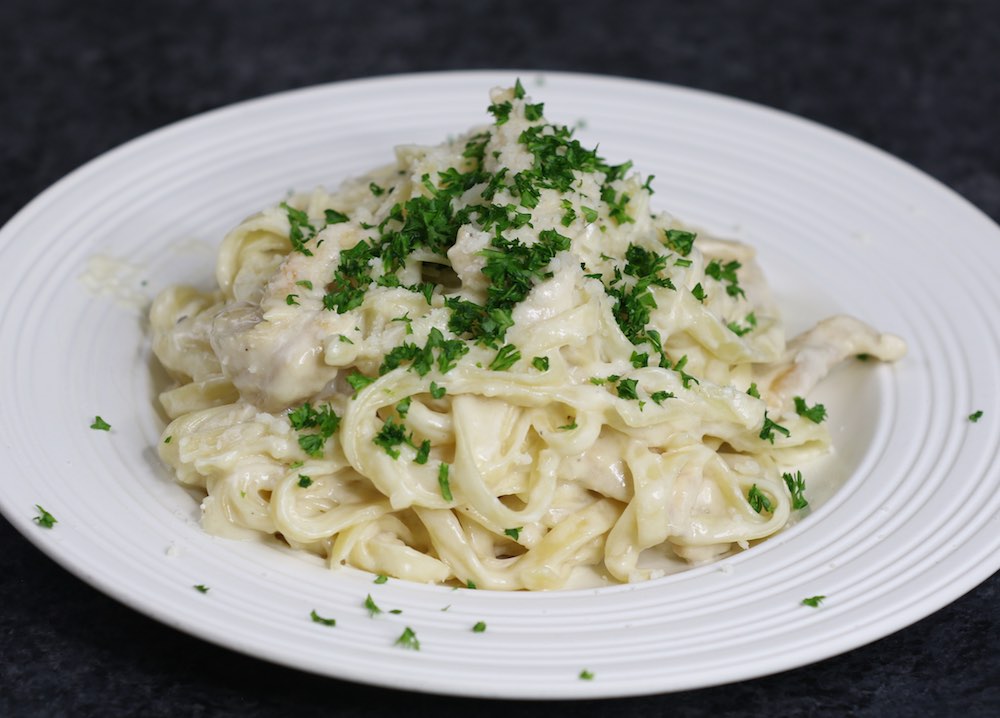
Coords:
921,80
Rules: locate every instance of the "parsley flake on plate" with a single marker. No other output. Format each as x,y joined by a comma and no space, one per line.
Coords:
371,607
44,518
316,618
100,424
408,639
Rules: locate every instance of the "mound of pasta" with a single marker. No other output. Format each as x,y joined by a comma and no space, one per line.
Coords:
491,363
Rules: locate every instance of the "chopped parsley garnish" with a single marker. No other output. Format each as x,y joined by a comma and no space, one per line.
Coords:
316,618
540,363
569,215
726,273
513,533
586,675
686,378
617,205
300,230
533,112
486,324
312,444
373,610
406,352
752,391
680,241
617,172
381,578
523,188
501,111
976,416
443,482
769,427
660,396
815,413
422,359
518,89
405,319
512,269
390,436
201,588
813,601
304,283
424,452
437,392
480,627
359,381
350,280
305,481
699,292
470,584
408,639
506,357
557,157
168,440
475,148
639,360
334,217
306,417
375,189
491,213
403,407
626,389
632,309
796,486
44,518
738,330
758,501
100,424
590,215
568,427
634,305
292,300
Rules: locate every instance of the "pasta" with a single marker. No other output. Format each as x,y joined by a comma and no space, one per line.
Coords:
491,363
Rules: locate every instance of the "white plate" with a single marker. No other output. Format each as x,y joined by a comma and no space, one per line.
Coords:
840,227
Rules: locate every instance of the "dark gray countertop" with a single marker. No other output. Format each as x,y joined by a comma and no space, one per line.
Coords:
921,81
